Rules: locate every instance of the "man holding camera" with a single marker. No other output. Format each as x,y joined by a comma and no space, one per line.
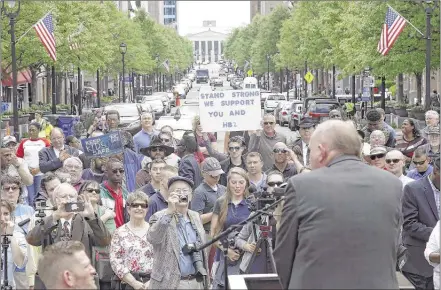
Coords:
180,229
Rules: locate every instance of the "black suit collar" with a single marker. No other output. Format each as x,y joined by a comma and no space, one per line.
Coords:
428,192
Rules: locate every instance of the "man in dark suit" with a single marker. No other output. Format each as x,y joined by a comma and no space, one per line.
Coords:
301,145
51,158
340,222
420,212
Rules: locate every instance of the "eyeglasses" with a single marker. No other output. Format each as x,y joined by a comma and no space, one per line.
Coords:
90,190
334,116
118,170
280,150
165,140
379,156
236,148
9,188
268,123
156,149
420,162
137,205
272,184
182,191
389,161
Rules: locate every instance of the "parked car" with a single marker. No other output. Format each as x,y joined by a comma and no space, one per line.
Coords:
163,96
278,109
319,110
157,106
295,108
272,101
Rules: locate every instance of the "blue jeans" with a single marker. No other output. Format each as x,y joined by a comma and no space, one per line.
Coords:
33,189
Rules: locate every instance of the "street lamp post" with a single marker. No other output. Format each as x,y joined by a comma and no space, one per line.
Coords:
429,11
123,50
268,57
157,71
12,14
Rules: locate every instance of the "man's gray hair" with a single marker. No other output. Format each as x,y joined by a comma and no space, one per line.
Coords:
432,113
63,187
57,129
340,136
76,159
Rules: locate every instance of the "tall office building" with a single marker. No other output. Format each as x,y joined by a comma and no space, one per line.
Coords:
171,13
156,10
263,7
131,6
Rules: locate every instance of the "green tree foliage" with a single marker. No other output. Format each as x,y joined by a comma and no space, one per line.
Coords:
105,27
341,33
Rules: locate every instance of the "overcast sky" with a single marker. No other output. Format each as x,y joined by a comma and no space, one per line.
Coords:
228,14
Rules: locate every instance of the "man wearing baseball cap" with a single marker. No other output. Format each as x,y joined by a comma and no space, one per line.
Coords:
206,194
11,164
177,228
9,142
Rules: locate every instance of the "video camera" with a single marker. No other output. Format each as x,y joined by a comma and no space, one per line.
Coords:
196,257
265,197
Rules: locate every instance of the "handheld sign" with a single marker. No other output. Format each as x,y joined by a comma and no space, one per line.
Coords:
104,145
232,110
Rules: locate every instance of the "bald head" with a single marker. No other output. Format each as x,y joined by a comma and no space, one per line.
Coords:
331,139
395,162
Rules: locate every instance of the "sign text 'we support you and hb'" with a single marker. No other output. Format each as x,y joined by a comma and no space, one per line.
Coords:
232,110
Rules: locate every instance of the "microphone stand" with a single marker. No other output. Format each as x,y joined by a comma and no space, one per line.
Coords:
5,246
223,236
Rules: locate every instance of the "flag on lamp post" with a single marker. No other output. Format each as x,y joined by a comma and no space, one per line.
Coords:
392,27
45,31
165,64
74,44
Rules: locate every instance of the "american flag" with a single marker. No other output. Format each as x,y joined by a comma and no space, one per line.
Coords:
392,27
45,31
73,44
165,64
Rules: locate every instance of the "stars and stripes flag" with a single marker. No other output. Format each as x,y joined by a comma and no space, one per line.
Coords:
45,31
165,64
72,43
392,27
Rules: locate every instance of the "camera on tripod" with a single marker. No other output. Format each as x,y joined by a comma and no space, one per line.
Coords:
196,257
266,197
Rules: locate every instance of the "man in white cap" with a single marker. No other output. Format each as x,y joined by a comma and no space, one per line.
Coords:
10,142
13,165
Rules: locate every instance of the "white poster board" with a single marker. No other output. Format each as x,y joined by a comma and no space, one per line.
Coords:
230,110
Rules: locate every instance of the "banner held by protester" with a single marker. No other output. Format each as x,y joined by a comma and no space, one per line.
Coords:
104,145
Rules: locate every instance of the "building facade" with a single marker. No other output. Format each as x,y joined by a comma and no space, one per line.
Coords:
170,13
208,45
263,7
156,11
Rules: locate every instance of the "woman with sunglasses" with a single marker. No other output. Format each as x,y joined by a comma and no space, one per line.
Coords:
246,240
230,209
131,256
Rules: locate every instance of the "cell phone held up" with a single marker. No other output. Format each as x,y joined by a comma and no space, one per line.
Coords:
74,207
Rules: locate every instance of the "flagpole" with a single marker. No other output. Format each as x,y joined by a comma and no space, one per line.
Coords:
27,31
407,21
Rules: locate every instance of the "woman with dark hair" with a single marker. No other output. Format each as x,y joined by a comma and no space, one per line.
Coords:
189,165
410,139
28,150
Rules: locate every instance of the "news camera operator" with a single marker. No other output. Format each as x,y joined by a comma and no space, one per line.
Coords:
252,231
174,233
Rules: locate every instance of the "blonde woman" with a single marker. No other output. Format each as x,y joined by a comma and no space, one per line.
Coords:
230,209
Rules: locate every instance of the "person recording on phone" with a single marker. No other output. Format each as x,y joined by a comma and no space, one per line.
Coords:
181,230
75,219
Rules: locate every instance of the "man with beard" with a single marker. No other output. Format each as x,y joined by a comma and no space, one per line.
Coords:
113,194
96,170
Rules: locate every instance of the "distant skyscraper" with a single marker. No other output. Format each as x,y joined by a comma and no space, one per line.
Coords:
156,10
263,7
170,13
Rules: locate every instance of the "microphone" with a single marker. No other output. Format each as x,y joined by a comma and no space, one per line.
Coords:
22,223
252,189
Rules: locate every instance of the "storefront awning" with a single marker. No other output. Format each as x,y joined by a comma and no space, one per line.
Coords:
23,77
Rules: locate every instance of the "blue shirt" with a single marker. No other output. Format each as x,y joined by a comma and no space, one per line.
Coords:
142,139
156,203
132,164
414,174
186,235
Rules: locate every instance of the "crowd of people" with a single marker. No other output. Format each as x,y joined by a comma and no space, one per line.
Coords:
129,220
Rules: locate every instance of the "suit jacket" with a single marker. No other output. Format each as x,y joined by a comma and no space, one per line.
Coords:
163,235
49,161
297,147
340,227
89,232
420,216
189,168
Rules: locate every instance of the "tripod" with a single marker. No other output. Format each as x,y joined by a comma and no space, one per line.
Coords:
5,245
263,245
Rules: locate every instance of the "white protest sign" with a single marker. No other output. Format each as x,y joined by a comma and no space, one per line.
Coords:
222,111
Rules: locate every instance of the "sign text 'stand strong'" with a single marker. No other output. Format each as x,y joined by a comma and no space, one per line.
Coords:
222,111
104,145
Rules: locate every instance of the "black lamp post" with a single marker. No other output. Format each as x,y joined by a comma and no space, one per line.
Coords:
157,71
268,58
123,50
12,13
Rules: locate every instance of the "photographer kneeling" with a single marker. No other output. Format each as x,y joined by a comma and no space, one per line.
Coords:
246,240
174,232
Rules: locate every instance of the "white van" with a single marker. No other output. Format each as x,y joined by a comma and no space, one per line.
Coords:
250,83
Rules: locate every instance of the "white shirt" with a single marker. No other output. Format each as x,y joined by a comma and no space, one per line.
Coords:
405,180
433,245
305,153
